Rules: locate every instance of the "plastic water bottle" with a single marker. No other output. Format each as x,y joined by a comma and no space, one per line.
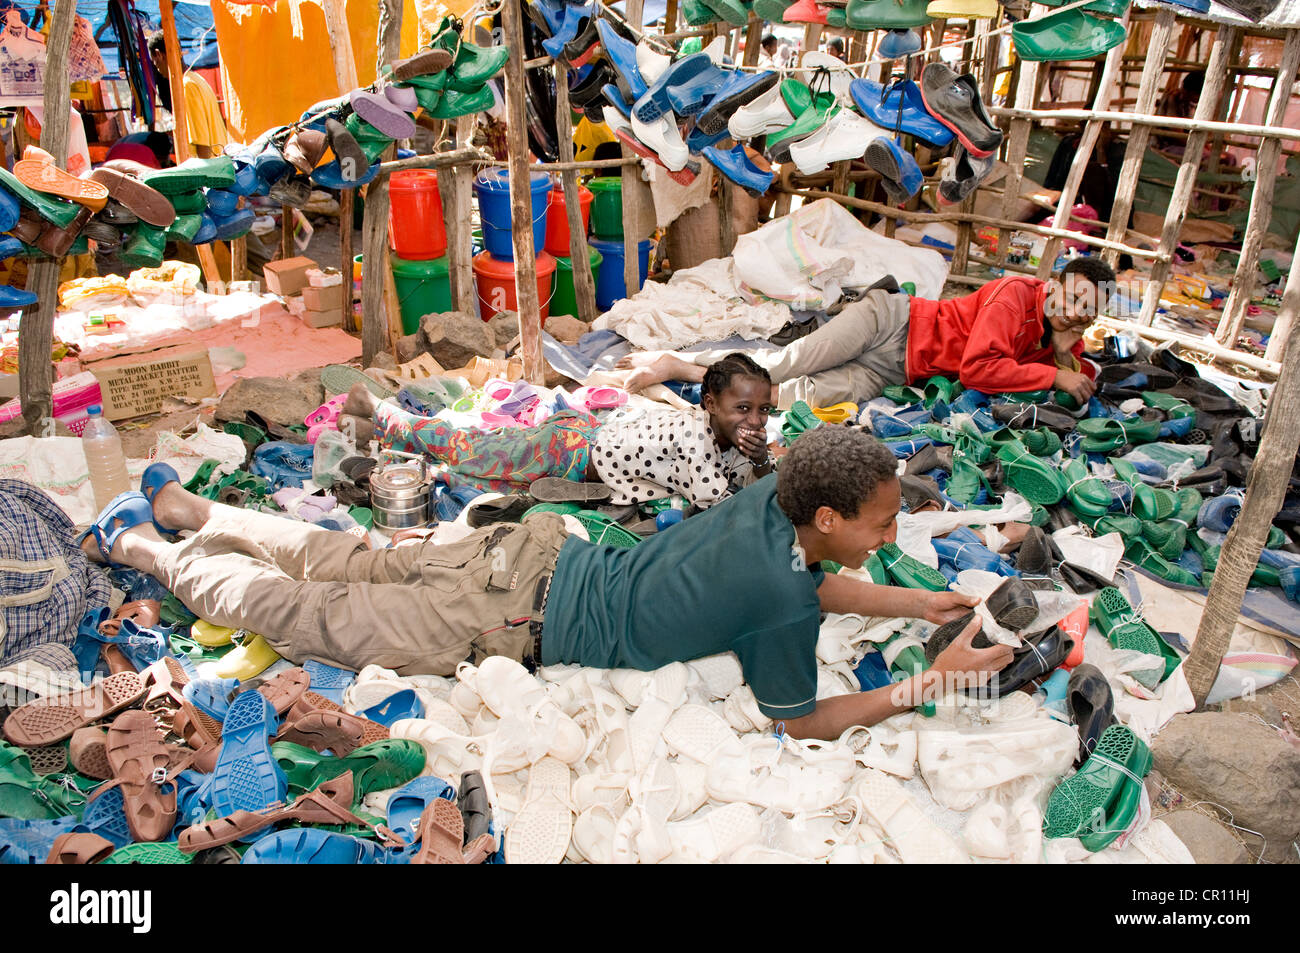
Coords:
104,458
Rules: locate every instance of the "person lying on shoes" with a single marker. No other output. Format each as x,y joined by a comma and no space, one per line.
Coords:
641,455
1013,334
744,576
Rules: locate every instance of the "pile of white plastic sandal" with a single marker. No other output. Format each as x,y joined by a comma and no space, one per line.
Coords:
679,765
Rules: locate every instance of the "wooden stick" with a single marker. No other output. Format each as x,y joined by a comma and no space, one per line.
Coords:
521,208
989,44
1134,152
1079,164
239,258
1285,322
36,332
1018,143
1159,122
1178,202
1266,486
1221,113
1261,200
345,79
439,160
588,164
753,36
456,197
631,193
346,199
893,213
584,286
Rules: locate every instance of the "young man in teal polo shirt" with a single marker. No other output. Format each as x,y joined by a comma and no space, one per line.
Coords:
744,576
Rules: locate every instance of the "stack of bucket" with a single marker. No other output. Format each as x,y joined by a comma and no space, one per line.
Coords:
494,267
417,236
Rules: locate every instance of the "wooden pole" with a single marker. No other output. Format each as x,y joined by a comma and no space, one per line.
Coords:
1148,88
455,187
631,193
1205,345
1079,164
1266,486
286,231
1197,124
379,306
36,331
989,45
521,209
753,37
584,286
345,78
1214,78
1221,113
1261,199
1283,324
1018,144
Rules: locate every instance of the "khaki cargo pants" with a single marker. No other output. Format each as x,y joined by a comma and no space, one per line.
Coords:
854,356
319,594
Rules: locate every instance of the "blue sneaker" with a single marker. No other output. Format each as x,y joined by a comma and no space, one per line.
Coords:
900,175
737,167
621,53
897,44
739,89
547,14
655,102
899,107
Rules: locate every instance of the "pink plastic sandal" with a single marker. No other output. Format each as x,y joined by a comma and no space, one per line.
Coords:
326,413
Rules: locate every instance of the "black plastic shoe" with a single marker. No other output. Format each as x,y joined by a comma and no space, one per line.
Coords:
507,509
942,637
473,804
1013,605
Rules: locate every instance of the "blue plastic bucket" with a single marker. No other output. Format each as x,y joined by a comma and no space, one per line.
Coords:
492,188
609,284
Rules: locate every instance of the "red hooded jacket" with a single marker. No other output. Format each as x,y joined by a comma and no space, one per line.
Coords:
994,340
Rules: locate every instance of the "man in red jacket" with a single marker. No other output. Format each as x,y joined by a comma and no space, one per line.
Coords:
1013,334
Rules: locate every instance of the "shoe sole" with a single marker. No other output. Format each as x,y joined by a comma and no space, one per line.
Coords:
540,832
246,776
973,149
145,203
559,490
51,720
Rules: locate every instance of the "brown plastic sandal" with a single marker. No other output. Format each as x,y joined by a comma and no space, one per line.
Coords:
164,680
143,612
51,719
327,804
442,834
88,752
479,849
143,766
79,847
285,689
50,759
338,731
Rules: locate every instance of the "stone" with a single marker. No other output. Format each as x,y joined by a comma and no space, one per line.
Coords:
1208,840
565,328
284,401
1240,764
384,361
551,377
409,347
505,327
455,338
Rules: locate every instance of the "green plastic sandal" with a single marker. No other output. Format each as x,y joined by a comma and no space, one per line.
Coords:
876,570
1103,434
798,419
1125,628
164,852
940,388
27,795
1140,552
1087,496
909,572
604,531
906,396
1036,481
1100,801
375,767
215,173
188,203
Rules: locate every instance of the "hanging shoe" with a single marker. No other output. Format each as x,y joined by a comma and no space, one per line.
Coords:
833,74
455,103
1066,35
352,160
380,112
574,20
696,13
305,149
899,173
664,138
740,89
730,11
650,63
806,11
968,173
845,136
897,44
899,107
764,114
655,103
805,124
697,141
886,14
622,54
955,101
423,63
38,171
963,9
736,165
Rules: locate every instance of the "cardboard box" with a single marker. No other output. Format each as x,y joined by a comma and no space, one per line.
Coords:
322,319
287,276
138,384
323,299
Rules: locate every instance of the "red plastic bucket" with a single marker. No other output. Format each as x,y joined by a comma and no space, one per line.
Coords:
496,284
557,219
416,229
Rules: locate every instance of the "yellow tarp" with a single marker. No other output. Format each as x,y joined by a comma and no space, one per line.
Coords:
271,75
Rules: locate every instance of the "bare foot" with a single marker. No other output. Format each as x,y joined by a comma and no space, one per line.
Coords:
134,547
639,359
360,402
665,367
176,508
360,429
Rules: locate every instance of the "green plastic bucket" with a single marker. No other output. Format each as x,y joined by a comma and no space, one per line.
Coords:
607,207
565,299
423,287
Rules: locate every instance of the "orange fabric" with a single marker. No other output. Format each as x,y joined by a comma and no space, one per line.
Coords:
269,76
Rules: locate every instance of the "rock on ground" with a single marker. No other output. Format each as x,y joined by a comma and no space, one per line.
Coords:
409,348
279,400
1240,764
1208,840
454,338
565,328
505,327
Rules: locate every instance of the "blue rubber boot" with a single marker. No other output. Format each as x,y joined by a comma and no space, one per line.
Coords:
737,167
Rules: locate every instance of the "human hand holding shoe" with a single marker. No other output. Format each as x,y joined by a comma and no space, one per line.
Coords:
972,664
941,607
1077,385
